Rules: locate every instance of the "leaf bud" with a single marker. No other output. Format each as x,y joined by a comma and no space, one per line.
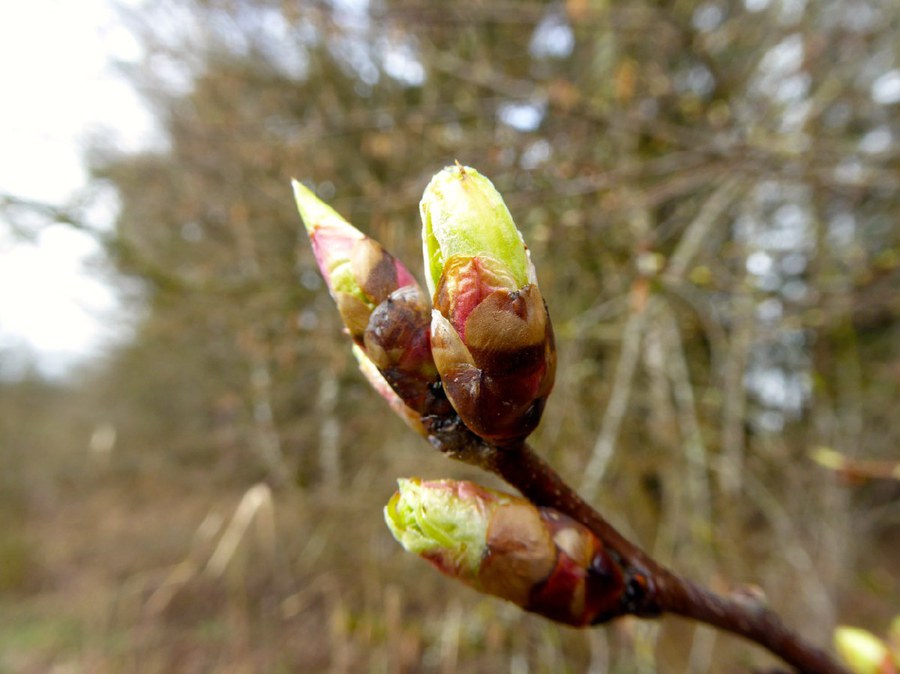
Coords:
491,335
502,545
381,305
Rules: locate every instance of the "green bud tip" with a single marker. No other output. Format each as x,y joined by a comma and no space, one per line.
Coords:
463,215
440,521
861,650
332,238
314,212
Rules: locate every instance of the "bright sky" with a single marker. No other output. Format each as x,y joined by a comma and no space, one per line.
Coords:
59,87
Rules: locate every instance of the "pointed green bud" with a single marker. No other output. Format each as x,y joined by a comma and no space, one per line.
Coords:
464,215
505,546
383,309
359,272
492,340
863,652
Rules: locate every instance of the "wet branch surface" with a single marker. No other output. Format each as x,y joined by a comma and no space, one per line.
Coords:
651,588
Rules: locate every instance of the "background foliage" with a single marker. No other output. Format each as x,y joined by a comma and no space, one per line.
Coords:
710,193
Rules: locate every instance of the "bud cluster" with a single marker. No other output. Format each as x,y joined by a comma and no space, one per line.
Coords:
482,341
478,348
470,364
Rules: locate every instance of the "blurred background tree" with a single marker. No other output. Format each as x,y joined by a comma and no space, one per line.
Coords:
710,194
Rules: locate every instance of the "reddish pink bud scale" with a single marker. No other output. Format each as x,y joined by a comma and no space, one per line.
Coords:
404,278
329,244
584,584
493,346
474,284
